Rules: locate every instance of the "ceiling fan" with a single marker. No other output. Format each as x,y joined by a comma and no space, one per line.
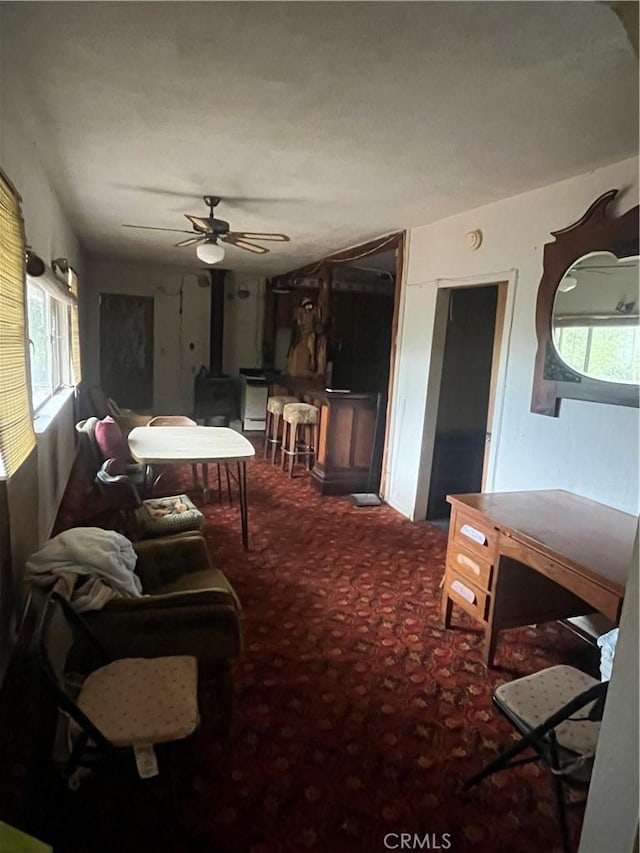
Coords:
207,233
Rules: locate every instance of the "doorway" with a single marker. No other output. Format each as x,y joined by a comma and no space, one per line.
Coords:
473,318
126,349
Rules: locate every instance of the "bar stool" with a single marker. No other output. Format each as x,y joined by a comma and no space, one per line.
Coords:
303,445
272,437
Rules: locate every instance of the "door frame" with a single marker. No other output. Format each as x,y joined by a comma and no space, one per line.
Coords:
493,381
444,286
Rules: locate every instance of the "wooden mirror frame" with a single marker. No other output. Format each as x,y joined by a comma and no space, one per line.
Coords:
553,380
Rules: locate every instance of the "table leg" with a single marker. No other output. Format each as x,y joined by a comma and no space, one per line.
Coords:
219,484
147,483
194,473
205,481
226,468
244,511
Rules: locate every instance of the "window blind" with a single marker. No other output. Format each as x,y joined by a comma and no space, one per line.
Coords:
17,439
75,328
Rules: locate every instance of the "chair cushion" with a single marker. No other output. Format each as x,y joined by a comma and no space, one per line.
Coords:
143,700
300,413
276,404
110,440
163,516
534,698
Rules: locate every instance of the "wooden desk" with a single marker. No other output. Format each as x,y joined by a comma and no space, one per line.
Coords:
580,552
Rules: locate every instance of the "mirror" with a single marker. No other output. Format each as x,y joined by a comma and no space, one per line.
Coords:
587,312
595,320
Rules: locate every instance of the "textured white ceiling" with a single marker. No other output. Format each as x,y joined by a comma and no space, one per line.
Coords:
333,122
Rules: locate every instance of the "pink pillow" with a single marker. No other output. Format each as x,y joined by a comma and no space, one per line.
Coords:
110,440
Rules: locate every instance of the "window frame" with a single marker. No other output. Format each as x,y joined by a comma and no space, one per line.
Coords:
57,322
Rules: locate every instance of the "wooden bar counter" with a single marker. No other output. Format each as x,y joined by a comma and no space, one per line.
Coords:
345,446
346,434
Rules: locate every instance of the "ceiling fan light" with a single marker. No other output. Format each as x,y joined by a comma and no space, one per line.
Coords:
210,252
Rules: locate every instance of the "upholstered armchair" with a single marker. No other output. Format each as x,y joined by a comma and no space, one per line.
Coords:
187,608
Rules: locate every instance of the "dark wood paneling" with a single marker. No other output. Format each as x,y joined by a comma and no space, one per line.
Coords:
363,434
346,444
360,340
340,436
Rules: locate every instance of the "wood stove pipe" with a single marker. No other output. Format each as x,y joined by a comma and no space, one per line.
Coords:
216,325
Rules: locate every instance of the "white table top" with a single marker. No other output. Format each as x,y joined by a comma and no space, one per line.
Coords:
165,444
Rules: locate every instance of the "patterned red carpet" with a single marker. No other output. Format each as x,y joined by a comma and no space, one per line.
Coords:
357,716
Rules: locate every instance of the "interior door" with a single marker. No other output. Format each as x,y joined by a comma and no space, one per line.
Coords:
465,393
126,349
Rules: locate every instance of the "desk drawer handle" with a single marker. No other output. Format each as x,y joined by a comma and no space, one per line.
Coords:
473,534
469,563
464,591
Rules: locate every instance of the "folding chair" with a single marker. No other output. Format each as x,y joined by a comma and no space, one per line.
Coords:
557,712
121,705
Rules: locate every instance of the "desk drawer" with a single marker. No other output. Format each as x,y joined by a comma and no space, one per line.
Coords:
472,600
474,534
601,599
464,562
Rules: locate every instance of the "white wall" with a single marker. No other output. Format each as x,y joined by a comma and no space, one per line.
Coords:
243,322
175,362
47,229
56,452
591,449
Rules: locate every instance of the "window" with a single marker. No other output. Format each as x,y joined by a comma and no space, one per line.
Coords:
49,342
606,349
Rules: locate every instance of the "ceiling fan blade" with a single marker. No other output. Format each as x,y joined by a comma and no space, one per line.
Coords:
190,241
196,195
255,235
199,223
153,228
243,244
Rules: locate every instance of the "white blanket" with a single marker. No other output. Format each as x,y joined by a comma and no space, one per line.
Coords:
103,558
